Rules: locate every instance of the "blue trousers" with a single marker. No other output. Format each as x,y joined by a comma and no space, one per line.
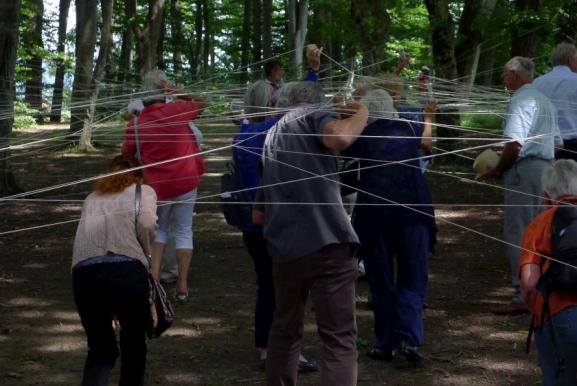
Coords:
397,304
565,326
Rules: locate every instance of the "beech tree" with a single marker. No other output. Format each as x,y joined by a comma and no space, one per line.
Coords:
147,35
57,95
9,21
33,39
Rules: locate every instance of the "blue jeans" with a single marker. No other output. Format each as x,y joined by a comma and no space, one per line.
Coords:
565,326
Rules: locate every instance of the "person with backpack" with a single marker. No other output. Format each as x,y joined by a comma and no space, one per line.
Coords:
548,274
263,110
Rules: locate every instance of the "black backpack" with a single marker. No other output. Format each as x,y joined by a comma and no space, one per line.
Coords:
236,202
561,274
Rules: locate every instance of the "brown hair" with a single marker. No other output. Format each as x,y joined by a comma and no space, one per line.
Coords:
118,182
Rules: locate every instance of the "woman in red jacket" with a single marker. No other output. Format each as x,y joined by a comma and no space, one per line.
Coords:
161,137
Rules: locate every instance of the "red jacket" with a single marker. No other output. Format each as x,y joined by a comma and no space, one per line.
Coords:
164,134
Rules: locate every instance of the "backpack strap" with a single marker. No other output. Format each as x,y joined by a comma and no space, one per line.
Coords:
136,140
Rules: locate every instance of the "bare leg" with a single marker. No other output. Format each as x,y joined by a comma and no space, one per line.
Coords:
157,252
183,258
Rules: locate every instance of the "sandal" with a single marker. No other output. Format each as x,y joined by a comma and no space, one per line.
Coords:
181,297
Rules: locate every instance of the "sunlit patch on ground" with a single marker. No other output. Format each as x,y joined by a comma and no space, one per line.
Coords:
64,328
181,378
63,344
26,301
32,314
183,332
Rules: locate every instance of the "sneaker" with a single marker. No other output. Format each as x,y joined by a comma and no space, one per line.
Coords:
412,353
181,297
308,366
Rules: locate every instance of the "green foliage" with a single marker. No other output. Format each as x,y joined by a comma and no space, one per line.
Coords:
489,121
24,116
409,31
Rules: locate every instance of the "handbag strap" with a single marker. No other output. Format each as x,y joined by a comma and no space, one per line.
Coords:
137,206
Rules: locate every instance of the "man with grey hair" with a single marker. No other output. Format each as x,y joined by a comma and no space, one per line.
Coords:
532,133
309,235
560,85
553,233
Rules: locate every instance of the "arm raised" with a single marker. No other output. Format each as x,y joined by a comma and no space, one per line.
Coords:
340,134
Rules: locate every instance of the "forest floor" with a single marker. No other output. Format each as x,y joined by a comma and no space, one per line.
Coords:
211,342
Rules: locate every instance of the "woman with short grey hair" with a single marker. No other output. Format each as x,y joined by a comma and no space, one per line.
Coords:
553,233
159,133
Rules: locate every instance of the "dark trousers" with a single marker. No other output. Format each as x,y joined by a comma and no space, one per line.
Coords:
264,308
569,150
106,290
397,305
329,276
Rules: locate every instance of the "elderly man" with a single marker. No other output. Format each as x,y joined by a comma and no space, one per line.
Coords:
560,85
532,131
556,331
311,245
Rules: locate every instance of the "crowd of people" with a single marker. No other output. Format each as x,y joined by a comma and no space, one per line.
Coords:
303,243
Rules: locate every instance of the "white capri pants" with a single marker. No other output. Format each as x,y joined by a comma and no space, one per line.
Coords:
177,217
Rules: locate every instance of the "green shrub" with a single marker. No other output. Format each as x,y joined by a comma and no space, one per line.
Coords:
24,116
484,121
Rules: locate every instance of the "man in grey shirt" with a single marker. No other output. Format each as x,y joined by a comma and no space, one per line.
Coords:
309,234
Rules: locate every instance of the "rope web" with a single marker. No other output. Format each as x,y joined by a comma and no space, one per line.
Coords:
453,97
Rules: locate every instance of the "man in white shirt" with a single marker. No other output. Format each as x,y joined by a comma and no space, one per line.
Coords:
560,85
533,133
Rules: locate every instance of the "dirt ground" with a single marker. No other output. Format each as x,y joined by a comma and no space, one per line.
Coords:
211,343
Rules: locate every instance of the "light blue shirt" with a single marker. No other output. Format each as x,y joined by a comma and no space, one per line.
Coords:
532,122
560,85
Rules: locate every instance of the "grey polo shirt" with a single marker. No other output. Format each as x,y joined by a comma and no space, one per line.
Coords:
303,212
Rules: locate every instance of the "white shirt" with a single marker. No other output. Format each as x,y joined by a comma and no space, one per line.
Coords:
560,85
532,122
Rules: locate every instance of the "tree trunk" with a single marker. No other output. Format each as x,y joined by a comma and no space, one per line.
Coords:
85,142
372,21
298,20
196,63
526,31
57,95
257,35
207,35
442,38
486,73
86,12
33,93
160,62
475,12
245,40
176,37
267,9
147,36
9,21
125,60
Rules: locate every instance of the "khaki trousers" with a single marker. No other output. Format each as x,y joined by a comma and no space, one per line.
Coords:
329,275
